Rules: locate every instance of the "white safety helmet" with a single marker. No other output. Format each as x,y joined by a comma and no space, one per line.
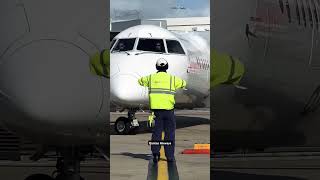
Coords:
162,64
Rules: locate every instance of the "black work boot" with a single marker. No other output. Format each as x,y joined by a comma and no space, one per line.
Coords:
156,158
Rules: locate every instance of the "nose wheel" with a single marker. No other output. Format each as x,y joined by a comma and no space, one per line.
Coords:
127,125
68,166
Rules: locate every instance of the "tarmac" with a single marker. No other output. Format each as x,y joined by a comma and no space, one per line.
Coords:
130,158
130,155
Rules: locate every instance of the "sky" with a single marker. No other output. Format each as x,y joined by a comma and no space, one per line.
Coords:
147,9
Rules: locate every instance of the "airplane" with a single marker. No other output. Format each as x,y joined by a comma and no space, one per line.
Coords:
47,91
134,53
278,44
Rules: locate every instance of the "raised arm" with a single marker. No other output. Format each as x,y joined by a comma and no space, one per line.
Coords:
179,83
144,81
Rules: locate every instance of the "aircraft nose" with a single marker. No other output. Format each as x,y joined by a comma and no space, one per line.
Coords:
125,89
50,82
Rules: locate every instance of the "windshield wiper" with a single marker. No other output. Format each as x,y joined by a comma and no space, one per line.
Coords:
145,52
121,51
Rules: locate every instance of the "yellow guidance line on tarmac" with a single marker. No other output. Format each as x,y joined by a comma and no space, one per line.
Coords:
162,164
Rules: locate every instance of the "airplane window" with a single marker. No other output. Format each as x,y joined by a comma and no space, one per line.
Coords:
174,47
124,44
155,45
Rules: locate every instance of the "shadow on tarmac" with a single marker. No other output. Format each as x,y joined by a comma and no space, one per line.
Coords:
182,122
146,157
227,175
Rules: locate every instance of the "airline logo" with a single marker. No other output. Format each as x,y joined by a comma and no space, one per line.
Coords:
198,65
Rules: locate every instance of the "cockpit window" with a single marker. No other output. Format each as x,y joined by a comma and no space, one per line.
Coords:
174,47
155,45
124,45
112,43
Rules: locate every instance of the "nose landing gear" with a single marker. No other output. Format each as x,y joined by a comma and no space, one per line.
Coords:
127,125
68,167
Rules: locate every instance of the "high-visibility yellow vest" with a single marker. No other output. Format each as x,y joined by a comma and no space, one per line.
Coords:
100,63
162,88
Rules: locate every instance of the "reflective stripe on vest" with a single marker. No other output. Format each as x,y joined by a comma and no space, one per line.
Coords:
149,81
161,90
174,81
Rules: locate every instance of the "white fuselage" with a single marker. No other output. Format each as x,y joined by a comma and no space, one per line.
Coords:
127,67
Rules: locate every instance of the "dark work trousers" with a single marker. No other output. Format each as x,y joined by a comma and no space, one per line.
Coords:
164,121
